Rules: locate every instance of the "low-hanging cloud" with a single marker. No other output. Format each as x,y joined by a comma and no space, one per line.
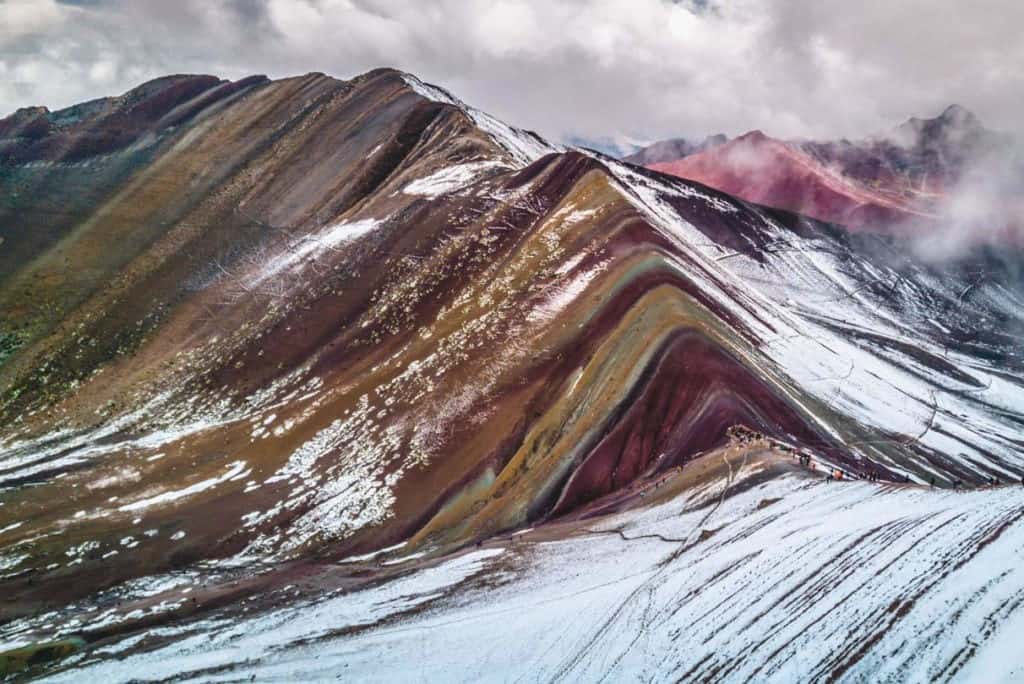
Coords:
619,69
984,207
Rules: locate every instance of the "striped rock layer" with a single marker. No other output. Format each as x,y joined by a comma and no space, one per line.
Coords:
250,329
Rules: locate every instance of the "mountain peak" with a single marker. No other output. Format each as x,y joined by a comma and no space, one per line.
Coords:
955,112
955,128
754,136
674,149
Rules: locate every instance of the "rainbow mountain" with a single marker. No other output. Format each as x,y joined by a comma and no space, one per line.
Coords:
309,378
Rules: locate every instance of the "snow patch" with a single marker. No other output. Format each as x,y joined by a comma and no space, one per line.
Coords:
450,178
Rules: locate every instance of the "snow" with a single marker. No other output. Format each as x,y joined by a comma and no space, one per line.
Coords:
431,92
370,556
522,147
234,470
787,591
312,245
65,449
220,644
12,526
9,562
340,497
450,178
563,295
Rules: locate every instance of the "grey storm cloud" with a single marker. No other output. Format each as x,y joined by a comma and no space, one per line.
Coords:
616,69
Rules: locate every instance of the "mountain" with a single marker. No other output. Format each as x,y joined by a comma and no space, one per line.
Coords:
944,145
673,150
787,176
310,378
612,147
906,182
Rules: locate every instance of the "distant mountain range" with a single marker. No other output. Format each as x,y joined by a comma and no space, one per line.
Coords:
903,181
674,149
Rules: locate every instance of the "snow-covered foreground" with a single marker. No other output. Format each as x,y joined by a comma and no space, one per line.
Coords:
756,571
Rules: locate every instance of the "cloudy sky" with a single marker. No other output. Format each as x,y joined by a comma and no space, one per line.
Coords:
621,69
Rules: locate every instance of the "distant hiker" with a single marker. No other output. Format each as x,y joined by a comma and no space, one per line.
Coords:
830,477
931,482
957,484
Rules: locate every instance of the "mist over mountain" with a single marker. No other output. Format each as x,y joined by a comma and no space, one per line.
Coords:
948,181
673,149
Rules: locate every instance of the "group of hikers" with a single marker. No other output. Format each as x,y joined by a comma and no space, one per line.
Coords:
838,474
745,436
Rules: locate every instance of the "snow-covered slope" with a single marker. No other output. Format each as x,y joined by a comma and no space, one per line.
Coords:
926,354
747,568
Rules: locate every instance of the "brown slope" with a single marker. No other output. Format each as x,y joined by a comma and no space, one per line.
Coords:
215,174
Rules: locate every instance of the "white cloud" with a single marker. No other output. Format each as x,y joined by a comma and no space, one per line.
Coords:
26,17
618,68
